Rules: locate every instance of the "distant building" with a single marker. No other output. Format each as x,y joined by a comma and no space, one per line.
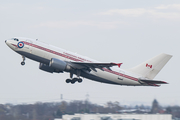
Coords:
118,117
175,111
155,107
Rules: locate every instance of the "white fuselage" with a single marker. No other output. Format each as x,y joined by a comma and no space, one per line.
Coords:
43,53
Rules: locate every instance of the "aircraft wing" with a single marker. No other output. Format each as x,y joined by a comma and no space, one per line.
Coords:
92,66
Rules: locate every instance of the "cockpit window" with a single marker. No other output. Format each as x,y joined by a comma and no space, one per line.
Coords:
16,39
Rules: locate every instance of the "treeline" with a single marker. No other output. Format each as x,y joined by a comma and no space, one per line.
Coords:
49,111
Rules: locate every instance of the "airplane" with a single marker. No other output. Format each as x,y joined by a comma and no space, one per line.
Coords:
57,60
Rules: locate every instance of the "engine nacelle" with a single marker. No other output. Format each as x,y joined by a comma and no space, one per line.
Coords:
46,68
59,65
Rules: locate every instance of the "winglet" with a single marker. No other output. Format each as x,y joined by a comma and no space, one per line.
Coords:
118,64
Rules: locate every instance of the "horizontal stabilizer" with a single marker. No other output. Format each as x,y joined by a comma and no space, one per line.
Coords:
154,82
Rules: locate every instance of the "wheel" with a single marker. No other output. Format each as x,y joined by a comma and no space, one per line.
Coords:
79,80
68,80
74,80
22,63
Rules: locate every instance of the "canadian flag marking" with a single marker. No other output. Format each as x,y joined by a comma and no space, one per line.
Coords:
148,66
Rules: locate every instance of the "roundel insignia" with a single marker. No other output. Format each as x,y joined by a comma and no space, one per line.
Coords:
20,44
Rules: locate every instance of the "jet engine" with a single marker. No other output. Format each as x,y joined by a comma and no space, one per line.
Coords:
59,65
46,68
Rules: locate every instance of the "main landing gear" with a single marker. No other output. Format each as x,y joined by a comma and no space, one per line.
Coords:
23,62
73,80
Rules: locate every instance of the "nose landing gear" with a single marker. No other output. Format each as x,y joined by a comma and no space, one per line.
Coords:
23,63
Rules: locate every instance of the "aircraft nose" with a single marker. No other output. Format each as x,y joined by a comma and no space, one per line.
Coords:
7,42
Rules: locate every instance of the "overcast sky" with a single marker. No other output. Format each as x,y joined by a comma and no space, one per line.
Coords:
127,31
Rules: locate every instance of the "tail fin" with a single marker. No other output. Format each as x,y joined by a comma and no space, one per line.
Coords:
151,68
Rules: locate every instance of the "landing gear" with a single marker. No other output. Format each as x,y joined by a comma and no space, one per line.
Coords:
72,81
23,63
68,80
79,80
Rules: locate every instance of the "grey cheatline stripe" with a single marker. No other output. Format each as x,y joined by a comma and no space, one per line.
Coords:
75,59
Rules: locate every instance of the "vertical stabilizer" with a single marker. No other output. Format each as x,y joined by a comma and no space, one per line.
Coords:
151,68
